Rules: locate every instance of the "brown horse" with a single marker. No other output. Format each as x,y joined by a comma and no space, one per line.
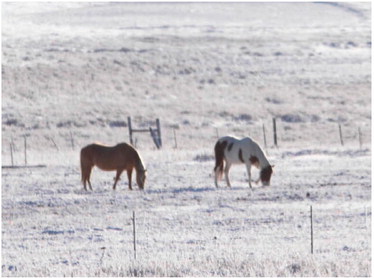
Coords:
118,158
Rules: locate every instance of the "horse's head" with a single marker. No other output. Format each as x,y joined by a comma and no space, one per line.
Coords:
265,174
140,178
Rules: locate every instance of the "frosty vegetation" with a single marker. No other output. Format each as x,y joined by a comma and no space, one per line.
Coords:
73,72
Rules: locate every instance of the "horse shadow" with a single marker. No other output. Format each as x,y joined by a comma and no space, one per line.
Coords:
189,189
193,189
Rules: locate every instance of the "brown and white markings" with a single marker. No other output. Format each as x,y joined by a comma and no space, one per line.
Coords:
230,150
117,158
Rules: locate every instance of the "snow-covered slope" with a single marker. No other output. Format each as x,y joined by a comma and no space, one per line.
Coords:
73,72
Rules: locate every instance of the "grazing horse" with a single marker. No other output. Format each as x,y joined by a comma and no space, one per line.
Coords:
235,151
118,158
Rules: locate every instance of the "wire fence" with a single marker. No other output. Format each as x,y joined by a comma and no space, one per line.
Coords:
273,133
329,230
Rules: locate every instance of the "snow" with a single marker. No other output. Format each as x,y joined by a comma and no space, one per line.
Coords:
73,72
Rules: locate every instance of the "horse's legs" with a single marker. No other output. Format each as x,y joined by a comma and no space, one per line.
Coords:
227,169
249,173
89,182
129,175
89,176
119,172
86,177
216,175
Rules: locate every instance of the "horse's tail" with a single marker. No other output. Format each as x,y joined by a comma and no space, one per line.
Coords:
85,163
219,149
82,158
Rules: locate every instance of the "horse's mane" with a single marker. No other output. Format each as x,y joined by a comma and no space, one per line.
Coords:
140,164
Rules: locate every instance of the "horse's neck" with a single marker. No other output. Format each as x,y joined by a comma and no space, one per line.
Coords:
263,160
139,165
264,163
261,156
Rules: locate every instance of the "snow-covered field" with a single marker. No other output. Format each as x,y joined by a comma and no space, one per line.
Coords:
76,71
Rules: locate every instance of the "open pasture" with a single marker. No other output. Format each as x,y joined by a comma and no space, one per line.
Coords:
73,72
184,225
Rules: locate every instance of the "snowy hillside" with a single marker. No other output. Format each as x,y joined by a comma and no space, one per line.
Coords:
73,72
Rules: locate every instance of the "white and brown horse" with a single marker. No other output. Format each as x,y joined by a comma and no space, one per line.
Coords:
229,150
117,158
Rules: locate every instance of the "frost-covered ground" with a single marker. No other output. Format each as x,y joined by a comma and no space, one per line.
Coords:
77,70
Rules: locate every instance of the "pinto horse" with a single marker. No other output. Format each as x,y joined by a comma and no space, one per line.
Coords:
229,150
117,158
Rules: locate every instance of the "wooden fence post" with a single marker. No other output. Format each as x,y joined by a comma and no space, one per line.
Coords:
13,145
130,129
25,141
175,139
72,140
155,133
102,255
54,143
341,135
134,233
158,126
311,229
275,132
263,130
11,153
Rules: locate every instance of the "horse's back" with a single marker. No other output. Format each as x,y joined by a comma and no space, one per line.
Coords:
94,147
92,150
238,150
124,147
109,158
228,139
98,147
248,141
234,142
252,146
